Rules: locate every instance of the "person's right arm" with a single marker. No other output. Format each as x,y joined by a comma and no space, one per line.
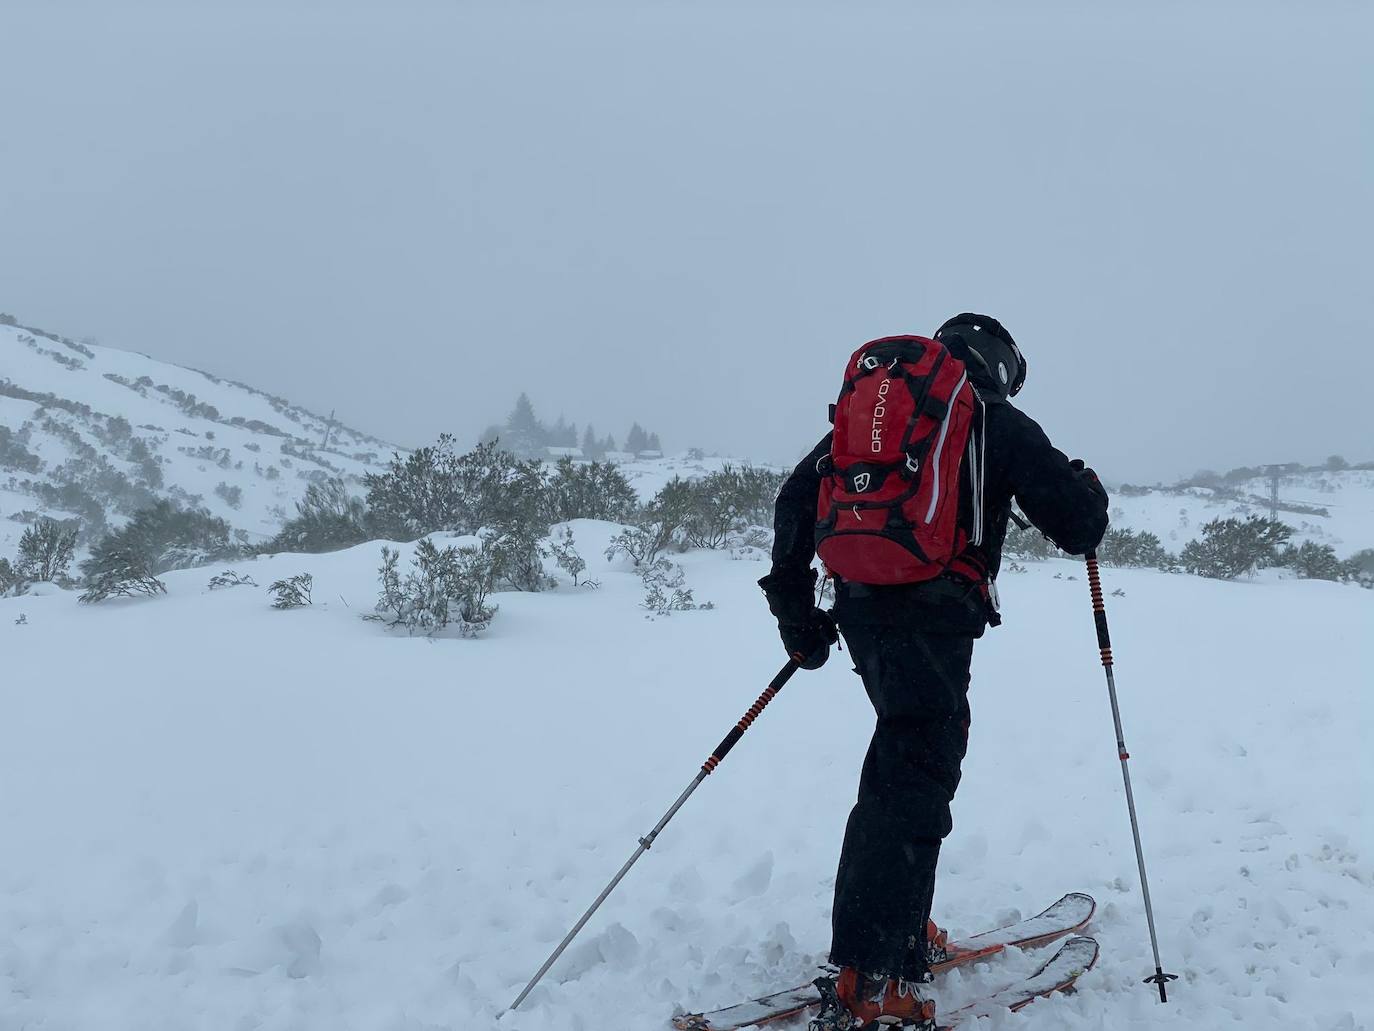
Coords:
1065,500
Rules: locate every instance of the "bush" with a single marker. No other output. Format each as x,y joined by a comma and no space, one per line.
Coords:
442,588
1142,550
14,455
591,490
232,495
1231,547
292,592
45,552
229,578
1029,543
123,571
160,538
565,554
327,518
724,504
8,578
1359,568
518,552
666,590
436,489
658,525
1311,561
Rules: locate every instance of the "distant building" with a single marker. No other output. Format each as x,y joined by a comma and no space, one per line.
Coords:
649,454
563,452
618,456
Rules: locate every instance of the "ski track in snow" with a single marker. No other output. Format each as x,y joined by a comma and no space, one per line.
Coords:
222,816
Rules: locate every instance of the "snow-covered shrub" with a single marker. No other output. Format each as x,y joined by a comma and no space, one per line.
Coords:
327,518
122,571
657,526
1312,561
436,488
666,590
292,592
229,578
1359,568
442,588
1231,547
14,455
1029,543
636,543
518,549
231,495
8,578
754,544
160,538
1141,550
45,552
726,503
565,553
590,490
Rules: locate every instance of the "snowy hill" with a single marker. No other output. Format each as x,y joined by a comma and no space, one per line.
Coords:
1323,506
96,432
298,820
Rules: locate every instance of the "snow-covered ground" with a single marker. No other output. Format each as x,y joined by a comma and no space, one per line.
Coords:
111,424
221,816
1177,515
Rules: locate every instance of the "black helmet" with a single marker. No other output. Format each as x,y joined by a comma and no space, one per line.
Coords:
984,343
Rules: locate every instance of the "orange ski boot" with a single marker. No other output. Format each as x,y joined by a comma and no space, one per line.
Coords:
853,1000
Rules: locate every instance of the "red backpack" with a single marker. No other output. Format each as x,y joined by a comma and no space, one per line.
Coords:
890,489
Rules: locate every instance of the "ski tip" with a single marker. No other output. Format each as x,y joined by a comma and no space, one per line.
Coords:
1082,951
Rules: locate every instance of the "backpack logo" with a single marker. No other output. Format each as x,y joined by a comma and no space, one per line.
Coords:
879,412
861,482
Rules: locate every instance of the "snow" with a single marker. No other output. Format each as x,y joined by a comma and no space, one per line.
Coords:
1178,515
218,815
196,450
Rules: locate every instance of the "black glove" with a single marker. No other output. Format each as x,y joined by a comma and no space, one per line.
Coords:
806,630
809,642
1089,478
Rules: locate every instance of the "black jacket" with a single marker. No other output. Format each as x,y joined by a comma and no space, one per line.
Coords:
1064,503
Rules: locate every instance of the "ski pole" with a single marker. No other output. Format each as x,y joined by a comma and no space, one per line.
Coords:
646,842
1104,642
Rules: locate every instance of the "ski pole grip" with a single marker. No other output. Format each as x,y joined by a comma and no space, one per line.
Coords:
1104,637
761,703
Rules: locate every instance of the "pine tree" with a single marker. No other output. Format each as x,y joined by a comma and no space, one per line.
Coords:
524,433
654,445
635,440
591,447
558,435
610,444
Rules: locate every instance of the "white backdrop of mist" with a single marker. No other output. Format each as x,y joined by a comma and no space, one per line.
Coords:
688,214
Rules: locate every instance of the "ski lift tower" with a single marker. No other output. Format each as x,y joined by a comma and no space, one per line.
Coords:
1275,473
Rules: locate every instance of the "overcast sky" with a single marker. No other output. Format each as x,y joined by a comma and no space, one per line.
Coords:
689,214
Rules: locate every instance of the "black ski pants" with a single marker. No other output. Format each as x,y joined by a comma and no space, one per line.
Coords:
918,684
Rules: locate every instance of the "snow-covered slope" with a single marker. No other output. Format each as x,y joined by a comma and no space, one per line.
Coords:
1328,507
88,430
297,820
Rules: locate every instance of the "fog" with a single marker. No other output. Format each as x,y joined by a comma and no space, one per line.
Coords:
689,214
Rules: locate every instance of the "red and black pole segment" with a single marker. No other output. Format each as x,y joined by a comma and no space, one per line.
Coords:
1104,644
645,843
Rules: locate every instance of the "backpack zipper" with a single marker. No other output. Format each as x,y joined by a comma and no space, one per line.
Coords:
939,449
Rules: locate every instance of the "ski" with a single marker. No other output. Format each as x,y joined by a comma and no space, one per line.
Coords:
1058,974
1065,917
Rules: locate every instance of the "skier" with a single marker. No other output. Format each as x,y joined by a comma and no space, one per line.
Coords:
912,644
